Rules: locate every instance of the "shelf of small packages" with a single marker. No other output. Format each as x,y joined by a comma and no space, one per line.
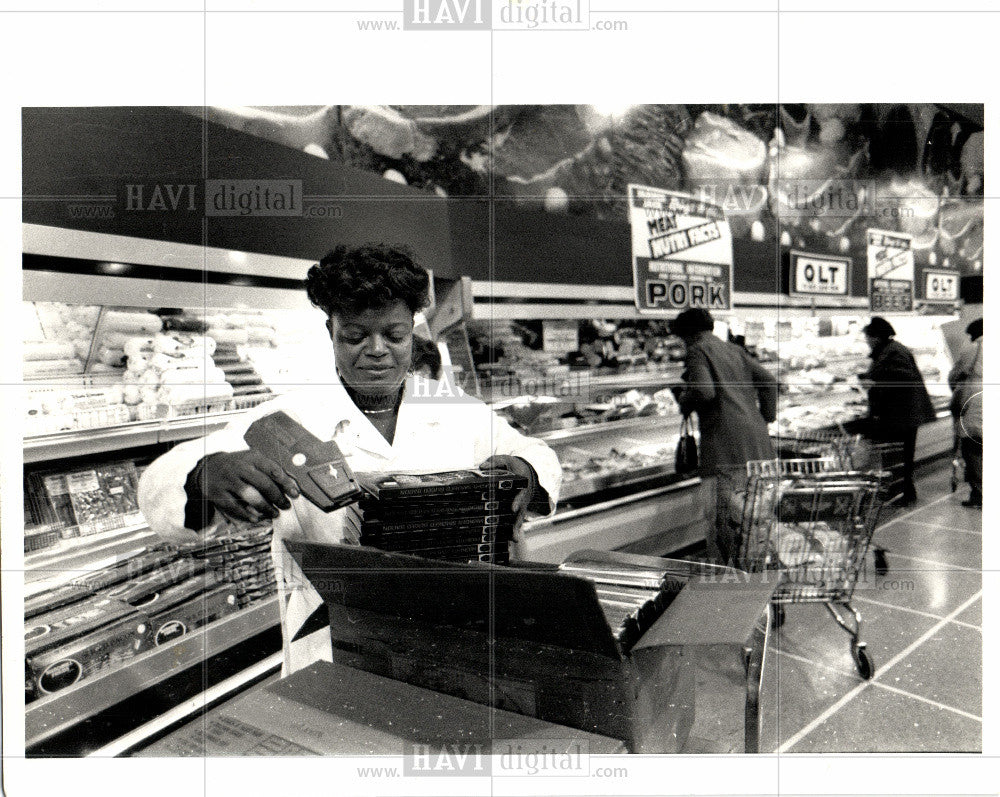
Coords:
81,442
577,385
50,715
53,714
84,554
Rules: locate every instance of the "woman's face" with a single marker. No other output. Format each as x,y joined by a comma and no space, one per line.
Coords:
872,342
373,349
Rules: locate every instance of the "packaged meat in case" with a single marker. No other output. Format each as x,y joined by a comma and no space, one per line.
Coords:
127,569
144,590
50,599
69,644
188,606
104,498
51,494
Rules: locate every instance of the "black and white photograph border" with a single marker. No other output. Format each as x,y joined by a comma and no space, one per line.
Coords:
714,371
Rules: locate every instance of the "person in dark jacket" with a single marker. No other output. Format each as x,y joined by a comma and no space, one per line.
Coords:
426,359
734,396
898,403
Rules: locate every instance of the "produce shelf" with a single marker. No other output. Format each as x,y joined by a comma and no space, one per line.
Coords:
81,442
83,554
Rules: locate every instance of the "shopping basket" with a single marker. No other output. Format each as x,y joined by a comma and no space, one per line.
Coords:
810,521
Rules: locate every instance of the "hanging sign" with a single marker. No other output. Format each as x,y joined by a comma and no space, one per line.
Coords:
682,252
819,275
890,271
941,286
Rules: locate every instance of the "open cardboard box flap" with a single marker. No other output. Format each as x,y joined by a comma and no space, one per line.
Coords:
717,605
719,611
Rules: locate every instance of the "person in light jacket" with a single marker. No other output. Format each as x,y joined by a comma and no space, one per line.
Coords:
898,403
382,420
966,382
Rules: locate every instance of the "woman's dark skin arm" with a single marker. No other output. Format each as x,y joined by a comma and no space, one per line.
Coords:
244,485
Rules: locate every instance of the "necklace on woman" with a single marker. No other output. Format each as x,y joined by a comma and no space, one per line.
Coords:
374,405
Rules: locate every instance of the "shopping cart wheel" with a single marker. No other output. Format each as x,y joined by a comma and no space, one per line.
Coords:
864,663
777,615
881,563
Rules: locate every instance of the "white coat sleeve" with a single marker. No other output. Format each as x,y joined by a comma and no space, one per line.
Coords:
495,436
162,497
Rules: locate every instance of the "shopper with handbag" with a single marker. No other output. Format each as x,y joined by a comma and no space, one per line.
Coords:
966,382
734,396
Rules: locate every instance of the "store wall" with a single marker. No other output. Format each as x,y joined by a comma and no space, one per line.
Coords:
140,172
534,246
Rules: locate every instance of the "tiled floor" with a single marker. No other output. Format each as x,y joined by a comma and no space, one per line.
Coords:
922,624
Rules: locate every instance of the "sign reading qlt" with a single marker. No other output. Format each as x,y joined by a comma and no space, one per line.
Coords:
941,286
817,275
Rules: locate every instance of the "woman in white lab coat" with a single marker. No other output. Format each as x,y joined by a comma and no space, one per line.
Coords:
381,418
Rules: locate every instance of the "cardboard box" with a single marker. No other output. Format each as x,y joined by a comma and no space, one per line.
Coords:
531,641
328,709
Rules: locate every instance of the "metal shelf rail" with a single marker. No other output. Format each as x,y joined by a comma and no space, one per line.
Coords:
53,714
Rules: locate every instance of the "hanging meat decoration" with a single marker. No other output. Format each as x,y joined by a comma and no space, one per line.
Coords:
827,172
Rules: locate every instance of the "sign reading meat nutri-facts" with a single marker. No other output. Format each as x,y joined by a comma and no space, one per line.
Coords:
682,252
890,271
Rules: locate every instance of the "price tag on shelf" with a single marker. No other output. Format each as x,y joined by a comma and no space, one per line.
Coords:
560,337
891,296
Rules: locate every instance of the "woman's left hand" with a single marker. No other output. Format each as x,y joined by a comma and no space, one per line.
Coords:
521,468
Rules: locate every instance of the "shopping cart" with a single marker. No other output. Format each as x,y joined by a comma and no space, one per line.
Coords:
810,520
837,444
853,452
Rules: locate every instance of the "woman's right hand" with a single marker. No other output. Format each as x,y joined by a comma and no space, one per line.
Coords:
245,485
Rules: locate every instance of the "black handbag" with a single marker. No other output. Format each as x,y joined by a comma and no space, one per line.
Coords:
686,456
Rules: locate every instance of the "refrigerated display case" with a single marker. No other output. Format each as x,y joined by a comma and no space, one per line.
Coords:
118,368
115,372
818,359
607,411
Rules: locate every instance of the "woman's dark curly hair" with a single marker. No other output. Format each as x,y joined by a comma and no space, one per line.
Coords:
350,281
